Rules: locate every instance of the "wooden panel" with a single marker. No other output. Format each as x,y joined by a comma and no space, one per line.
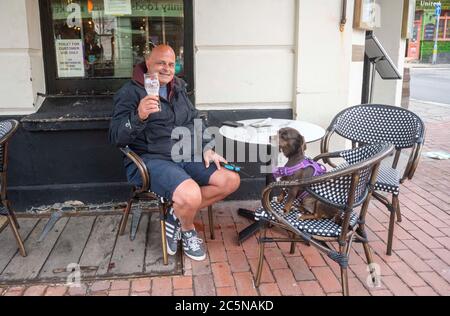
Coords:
28,268
69,247
8,243
128,256
100,245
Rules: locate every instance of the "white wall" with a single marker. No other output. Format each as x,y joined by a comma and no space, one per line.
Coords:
327,79
22,74
244,53
389,35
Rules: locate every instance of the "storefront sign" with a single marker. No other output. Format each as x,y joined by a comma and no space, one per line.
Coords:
135,8
117,7
69,58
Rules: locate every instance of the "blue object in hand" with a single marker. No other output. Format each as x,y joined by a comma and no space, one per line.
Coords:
231,167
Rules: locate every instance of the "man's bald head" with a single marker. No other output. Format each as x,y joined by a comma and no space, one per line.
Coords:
162,61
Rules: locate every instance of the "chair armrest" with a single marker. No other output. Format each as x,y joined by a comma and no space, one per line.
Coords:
143,171
324,145
413,161
325,157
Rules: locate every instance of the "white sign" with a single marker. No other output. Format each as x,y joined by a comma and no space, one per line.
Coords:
117,7
69,58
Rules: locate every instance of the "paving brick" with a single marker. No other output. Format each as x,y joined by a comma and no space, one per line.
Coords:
14,291
56,290
408,276
300,269
204,285
244,284
425,239
396,286
356,288
182,282
442,268
312,256
266,274
443,254
412,260
327,279
140,294
429,229
222,274
419,249
119,293
100,286
269,289
444,241
311,288
120,285
230,237
424,291
35,290
183,292
77,290
161,286
381,293
141,285
201,267
238,261
216,251
226,291
286,282
436,282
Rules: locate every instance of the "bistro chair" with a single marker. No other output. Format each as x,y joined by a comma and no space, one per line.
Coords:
7,130
144,193
344,187
372,123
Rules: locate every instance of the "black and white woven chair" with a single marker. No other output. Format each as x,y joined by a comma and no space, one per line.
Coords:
344,187
144,193
7,129
374,123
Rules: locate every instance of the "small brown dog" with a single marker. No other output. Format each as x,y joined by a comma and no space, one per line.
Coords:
292,145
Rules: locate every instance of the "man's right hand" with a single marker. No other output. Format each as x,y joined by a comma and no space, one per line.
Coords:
147,106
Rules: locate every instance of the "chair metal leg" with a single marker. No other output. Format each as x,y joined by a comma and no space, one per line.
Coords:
211,222
344,281
396,205
124,221
162,213
17,235
262,235
391,231
373,272
292,250
13,215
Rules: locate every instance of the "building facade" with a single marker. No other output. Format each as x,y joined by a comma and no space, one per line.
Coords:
64,59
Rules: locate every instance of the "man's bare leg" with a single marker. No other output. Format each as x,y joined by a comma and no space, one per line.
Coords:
221,184
189,197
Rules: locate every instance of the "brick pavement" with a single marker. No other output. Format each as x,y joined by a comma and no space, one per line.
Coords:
419,265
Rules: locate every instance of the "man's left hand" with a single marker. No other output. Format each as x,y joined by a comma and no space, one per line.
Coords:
211,156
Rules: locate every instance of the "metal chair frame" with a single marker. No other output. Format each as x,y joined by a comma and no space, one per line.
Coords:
347,235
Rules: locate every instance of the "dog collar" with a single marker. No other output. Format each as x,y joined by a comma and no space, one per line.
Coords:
305,163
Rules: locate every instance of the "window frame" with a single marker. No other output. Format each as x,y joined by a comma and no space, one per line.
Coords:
101,86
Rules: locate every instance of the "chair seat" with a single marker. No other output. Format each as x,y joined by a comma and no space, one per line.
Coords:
321,227
388,180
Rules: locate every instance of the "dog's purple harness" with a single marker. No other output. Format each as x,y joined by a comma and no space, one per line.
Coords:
305,163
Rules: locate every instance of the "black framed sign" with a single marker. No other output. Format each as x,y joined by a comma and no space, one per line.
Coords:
91,46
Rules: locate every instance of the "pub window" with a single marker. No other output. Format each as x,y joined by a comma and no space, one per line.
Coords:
91,46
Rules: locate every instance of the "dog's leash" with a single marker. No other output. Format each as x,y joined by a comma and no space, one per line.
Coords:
235,168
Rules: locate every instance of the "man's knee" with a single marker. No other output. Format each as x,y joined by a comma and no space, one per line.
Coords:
233,182
188,194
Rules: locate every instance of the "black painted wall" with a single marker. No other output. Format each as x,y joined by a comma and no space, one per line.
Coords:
49,163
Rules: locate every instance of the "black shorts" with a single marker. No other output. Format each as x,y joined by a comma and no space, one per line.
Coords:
167,175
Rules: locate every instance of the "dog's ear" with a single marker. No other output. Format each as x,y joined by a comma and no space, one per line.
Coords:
303,144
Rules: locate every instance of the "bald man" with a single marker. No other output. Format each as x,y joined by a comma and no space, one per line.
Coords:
138,123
